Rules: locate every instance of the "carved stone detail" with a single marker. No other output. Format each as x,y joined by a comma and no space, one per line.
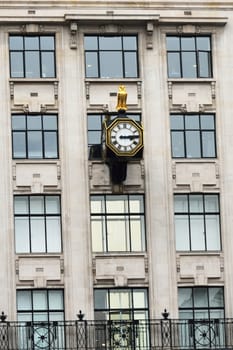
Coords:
73,35
149,38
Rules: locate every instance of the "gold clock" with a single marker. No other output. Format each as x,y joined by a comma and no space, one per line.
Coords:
124,137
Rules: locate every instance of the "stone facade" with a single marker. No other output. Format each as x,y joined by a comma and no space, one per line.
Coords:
158,176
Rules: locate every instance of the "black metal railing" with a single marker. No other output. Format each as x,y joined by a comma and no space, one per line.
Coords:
115,335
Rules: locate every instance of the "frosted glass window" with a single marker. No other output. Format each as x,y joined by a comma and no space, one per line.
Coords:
121,227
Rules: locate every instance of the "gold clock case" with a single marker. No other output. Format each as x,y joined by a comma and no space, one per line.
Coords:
113,148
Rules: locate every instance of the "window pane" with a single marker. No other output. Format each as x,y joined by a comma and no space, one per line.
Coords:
197,232
47,43
207,122
32,64
21,205
177,122
208,144
19,145
50,145
136,204
216,298
177,139
47,65
91,65
16,60
37,204
213,232
129,43
181,203
97,204
192,122
90,43
40,300
113,70
196,203
101,299
130,64
203,43
55,300
137,234
94,122
34,122
118,234
173,43
173,65
200,297
52,204
53,230
24,300
110,43
37,235
120,299
188,43
140,298
193,147
50,122
116,204
94,137
31,42
211,203
22,244
182,232
35,144
16,42
98,234
18,122
189,65
204,65
185,297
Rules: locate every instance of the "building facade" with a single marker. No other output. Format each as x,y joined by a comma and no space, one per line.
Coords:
73,241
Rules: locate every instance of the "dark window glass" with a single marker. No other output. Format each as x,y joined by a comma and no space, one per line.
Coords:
37,224
197,222
35,136
189,56
111,56
32,56
193,136
118,223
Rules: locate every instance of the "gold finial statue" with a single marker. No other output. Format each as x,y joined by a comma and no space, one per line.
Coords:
121,99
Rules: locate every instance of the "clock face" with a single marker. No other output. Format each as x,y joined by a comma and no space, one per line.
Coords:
125,137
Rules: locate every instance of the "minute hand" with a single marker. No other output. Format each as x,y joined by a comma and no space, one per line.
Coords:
130,137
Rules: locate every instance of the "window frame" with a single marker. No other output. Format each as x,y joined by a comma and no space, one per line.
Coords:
40,51
26,131
28,216
196,52
184,132
123,52
189,217
104,217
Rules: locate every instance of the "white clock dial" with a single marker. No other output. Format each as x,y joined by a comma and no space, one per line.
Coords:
124,136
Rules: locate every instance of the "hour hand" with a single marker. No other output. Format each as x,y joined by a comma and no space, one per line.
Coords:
129,137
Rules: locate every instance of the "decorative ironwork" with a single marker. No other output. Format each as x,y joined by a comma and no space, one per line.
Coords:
122,334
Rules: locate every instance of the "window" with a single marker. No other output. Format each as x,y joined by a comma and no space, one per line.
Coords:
39,312
197,222
37,224
189,56
193,136
111,56
201,310
32,56
121,316
94,126
118,223
34,136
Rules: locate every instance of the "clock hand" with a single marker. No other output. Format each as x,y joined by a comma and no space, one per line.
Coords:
130,137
